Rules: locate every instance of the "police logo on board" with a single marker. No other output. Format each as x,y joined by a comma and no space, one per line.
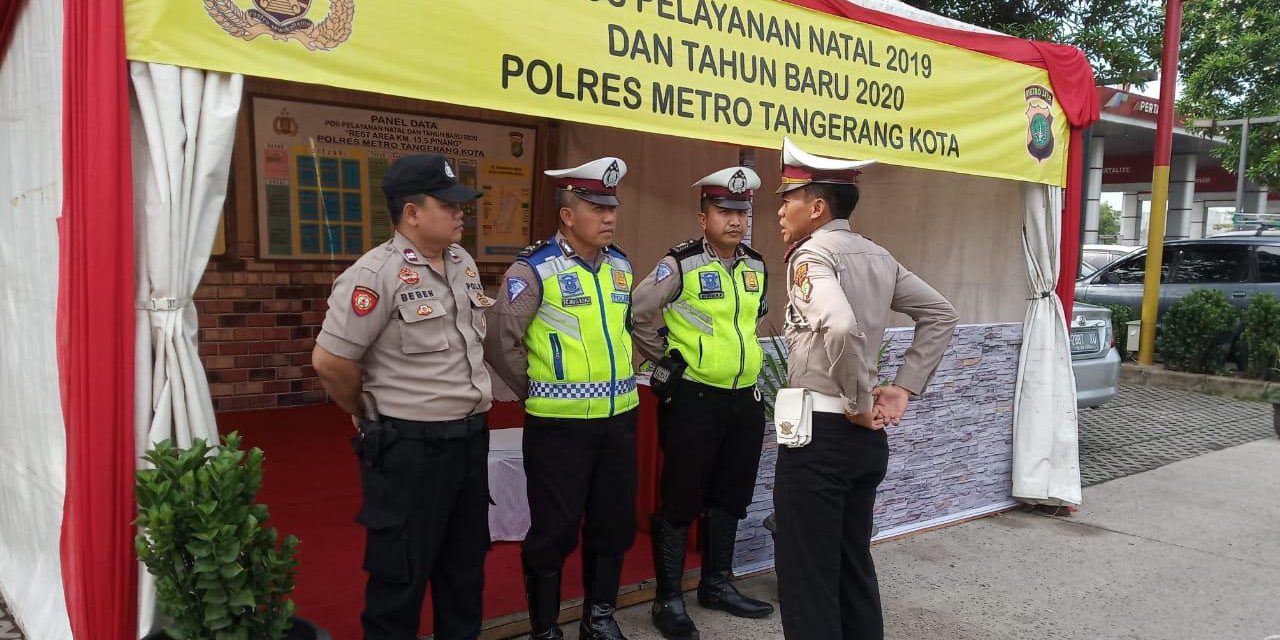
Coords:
285,20
1039,122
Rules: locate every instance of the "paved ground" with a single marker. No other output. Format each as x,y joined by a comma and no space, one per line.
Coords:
1188,550
1148,427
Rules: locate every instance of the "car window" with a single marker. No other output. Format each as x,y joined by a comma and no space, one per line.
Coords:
1210,263
1268,264
1131,271
1096,259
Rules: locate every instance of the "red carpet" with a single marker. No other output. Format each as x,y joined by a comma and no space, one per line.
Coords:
311,484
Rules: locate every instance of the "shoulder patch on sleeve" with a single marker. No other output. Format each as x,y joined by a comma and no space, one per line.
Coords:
363,300
515,286
800,278
664,272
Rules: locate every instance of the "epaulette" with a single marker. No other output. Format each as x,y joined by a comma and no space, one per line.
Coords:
792,249
528,251
685,249
614,248
746,248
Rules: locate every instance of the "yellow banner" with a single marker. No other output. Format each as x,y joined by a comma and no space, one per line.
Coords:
745,72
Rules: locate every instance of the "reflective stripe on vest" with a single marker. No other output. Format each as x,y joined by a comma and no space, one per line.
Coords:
579,342
713,322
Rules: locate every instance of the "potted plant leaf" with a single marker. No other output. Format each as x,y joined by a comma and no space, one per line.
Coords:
220,573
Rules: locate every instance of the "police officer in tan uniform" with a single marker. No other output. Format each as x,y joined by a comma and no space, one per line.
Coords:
841,290
710,294
401,350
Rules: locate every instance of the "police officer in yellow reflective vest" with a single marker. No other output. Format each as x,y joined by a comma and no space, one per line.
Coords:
562,341
711,294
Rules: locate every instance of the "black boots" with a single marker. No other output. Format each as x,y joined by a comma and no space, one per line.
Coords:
543,590
669,615
716,591
600,578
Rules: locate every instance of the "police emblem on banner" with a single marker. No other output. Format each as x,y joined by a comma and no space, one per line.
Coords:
285,20
1039,122
517,144
709,282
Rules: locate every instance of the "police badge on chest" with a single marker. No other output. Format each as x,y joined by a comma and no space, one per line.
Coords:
710,286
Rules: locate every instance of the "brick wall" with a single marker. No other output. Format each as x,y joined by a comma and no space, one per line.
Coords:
952,455
258,322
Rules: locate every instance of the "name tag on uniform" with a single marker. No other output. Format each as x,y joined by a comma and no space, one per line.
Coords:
417,294
577,301
710,285
624,298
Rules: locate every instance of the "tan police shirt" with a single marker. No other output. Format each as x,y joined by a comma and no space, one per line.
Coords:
841,290
515,309
416,333
660,288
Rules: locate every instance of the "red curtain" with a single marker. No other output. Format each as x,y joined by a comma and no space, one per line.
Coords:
9,10
1073,83
96,325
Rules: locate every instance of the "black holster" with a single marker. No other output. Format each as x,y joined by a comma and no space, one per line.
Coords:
667,374
374,439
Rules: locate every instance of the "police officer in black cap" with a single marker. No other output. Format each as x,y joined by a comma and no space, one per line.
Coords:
400,349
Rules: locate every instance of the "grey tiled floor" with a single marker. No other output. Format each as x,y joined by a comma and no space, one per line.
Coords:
1148,427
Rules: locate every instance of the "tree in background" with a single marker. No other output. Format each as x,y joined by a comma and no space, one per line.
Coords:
1230,62
1108,224
1120,37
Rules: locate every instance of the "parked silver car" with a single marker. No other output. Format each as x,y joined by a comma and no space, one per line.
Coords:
1095,363
1239,266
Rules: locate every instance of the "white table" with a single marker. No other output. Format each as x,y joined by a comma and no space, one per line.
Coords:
509,519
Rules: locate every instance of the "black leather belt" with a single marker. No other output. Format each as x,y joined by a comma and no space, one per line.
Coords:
430,431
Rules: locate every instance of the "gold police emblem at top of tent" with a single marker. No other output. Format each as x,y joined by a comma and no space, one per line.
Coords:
285,20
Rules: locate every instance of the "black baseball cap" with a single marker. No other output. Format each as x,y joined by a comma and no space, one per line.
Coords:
426,173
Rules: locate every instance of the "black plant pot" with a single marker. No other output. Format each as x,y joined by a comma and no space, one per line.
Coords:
301,630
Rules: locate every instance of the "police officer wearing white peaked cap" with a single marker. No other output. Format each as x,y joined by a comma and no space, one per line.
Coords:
562,341
710,294
841,290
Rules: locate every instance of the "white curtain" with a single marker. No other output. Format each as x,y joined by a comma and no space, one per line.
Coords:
183,129
1046,451
33,461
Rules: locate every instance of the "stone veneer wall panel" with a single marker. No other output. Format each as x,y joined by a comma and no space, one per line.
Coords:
951,457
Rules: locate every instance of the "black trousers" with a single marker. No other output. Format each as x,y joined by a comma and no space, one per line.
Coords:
711,440
578,468
426,511
823,496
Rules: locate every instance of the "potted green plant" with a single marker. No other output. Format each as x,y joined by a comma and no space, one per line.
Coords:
220,574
